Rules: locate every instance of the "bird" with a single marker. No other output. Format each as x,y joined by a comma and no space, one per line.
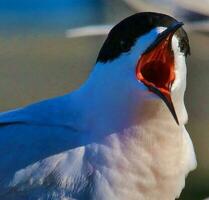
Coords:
120,136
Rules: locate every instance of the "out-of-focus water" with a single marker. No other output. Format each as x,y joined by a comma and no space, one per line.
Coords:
54,16
37,62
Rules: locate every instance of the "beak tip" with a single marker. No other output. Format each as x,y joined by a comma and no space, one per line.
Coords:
171,29
176,119
178,24
181,23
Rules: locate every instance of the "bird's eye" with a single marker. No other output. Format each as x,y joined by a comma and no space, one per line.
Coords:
124,45
184,47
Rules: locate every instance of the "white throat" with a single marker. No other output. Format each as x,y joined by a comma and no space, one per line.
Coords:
113,98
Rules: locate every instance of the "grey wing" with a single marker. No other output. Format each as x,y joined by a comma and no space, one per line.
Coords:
34,133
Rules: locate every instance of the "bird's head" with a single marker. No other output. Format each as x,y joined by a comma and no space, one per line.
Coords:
146,55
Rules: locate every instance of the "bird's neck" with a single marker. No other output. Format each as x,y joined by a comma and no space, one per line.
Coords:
108,106
143,143
148,158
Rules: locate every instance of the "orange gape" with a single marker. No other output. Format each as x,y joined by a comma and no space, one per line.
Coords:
156,67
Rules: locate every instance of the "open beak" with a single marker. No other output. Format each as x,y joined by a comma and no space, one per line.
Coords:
155,68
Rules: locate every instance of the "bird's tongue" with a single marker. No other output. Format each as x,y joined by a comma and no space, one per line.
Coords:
156,67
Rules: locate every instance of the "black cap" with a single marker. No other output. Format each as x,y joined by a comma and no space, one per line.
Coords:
123,36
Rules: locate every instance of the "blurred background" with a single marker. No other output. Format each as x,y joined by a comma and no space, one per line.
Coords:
44,54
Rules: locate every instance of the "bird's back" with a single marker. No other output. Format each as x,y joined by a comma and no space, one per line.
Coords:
35,132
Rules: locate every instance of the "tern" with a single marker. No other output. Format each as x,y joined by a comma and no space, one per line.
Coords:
120,136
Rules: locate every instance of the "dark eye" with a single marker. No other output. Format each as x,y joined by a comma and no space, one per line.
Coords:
124,46
184,47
